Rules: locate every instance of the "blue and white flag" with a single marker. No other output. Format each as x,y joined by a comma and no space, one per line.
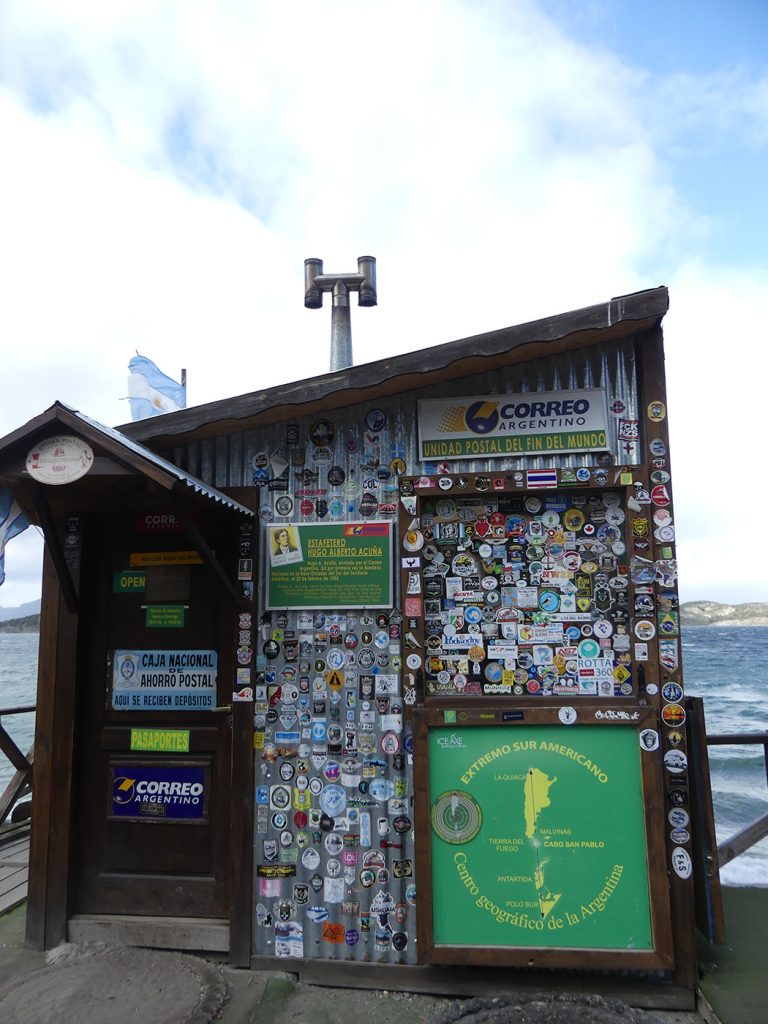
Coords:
12,521
150,392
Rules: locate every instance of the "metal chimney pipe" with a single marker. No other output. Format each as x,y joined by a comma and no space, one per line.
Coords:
340,285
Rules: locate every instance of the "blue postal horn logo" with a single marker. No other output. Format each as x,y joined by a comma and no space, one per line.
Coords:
482,417
122,789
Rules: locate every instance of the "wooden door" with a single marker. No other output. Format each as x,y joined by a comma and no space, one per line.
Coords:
151,827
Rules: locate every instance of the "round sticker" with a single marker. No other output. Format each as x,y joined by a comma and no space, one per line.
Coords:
390,743
660,495
645,629
567,715
493,671
333,801
333,843
672,692
280,797
445,508
678,817
573,519
414,540
549,601
673,714
322,432
657,411
649,739
602,629
375,420
284,505
589,648
463,565
675,761
533,504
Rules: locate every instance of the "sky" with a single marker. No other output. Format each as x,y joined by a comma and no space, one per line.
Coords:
167,167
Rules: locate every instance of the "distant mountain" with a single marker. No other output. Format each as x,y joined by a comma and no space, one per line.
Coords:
712,613
30,608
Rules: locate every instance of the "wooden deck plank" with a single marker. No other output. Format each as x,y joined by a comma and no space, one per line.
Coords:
13,896
15,851
14,867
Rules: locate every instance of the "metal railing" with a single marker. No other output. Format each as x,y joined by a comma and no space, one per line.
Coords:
20,784
757,830
752,834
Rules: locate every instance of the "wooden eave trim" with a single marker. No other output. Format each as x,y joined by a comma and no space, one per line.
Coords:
203,548
367,382
55,547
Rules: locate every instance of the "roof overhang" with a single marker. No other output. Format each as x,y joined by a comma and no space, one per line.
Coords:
115,455
608,322
122,470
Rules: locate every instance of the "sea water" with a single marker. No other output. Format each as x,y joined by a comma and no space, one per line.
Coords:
727,667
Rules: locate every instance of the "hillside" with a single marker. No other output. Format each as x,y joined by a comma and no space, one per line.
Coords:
712,613
26,624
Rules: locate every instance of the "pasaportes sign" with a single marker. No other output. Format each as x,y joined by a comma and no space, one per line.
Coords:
164,680
538,837
538,423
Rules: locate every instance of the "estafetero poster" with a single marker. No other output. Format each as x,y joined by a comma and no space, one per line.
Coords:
538,837
329,565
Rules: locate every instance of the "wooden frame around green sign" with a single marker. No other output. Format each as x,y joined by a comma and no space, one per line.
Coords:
607,715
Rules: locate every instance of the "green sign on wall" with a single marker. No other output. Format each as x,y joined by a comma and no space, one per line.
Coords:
329,565
538,837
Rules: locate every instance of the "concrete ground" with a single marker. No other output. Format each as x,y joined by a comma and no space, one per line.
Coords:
734,977
96,984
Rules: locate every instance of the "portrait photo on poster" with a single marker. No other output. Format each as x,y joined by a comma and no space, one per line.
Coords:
284,545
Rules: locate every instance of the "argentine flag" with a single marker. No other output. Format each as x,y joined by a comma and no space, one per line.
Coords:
150,392
12,521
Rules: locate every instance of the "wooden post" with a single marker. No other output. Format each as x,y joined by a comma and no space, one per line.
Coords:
51,818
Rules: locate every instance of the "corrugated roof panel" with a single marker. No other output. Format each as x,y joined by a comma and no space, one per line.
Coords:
156,460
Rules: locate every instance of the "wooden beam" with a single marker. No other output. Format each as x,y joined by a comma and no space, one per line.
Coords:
241,832
55,547
19,784
743,840
204,550
12,752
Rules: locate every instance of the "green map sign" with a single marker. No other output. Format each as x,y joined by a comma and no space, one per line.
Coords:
538,837
333,565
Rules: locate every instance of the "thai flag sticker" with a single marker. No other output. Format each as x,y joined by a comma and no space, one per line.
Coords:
541,478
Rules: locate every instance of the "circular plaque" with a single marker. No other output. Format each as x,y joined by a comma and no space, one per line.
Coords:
59,460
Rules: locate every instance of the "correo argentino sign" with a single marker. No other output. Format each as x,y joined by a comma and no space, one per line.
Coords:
494,426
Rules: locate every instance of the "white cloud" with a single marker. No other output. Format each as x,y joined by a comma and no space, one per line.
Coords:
168,167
